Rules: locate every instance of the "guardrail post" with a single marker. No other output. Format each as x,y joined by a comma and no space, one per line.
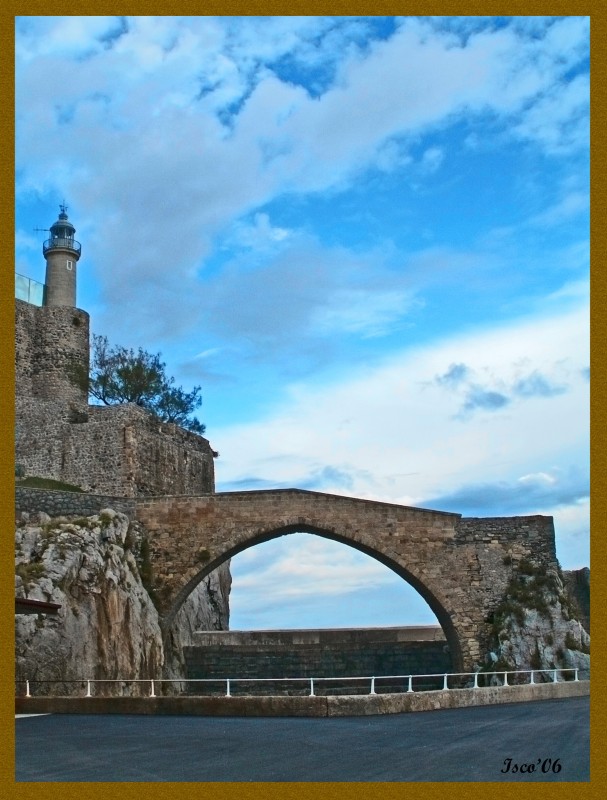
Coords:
228,688
372,686
27,688
532,677
152,692
475,681
445,684
410,687
505,679
576,678
554,678
311,687
88,689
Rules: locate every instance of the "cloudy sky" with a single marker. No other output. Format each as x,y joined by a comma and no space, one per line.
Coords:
366,238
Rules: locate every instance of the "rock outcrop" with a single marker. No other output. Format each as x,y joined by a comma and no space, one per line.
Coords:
206,609
538,626
107,626
577,586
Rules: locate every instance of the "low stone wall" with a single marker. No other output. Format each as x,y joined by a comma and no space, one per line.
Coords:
302,706
320,636
335,653
69,504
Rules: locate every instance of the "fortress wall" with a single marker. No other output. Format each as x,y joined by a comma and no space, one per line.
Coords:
39,428
129,451
113,450
49,341
120,451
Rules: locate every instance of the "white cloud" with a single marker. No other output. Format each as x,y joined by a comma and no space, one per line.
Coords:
312,565
572,204
258,234
390,421
171,134
559,119
361,312
541,477
302,580
212,351
132,149
66,36
432,158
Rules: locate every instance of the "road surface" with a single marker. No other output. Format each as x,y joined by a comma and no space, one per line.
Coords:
550,738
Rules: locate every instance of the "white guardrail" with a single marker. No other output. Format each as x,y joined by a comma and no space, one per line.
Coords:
498,678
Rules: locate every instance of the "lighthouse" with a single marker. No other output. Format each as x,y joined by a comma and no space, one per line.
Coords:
61,252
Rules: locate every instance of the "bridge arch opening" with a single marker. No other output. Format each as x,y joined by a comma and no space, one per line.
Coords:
440,613
307,581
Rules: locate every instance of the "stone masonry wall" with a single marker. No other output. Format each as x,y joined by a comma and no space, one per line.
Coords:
118,450
500,543
125,450
112,450
48,342
340,652
337,660
68,504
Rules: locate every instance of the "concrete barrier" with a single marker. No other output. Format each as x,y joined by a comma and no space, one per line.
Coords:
344,706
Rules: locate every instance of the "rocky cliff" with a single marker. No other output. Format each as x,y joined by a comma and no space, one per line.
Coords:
538,624
107,627
577,587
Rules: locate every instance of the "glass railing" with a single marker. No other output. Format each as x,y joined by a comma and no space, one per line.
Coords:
29,290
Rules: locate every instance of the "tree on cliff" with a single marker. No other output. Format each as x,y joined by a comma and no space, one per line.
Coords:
121,375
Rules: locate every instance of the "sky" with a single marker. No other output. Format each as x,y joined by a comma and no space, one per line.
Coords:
366,238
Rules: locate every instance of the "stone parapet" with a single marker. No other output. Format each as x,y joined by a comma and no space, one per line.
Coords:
302,706
314,636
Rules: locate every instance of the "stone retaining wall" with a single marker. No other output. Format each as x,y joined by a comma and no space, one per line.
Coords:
69,504
335,653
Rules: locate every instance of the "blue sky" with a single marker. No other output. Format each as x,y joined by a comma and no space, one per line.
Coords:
367,239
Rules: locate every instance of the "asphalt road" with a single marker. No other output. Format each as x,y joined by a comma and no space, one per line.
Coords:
467,744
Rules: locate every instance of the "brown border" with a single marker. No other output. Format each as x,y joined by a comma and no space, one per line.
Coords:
599,417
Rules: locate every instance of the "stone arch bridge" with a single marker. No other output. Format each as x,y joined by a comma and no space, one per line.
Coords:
460,566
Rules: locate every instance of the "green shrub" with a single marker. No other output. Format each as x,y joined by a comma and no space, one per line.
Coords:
29,572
